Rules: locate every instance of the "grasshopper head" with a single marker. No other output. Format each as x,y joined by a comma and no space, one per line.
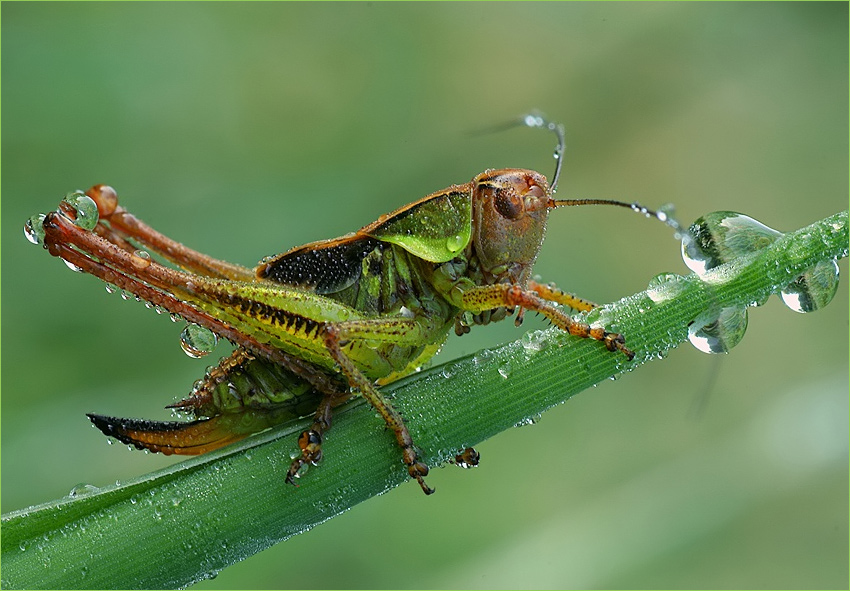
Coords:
509,212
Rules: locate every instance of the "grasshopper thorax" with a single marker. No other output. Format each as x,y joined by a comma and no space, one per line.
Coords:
509,212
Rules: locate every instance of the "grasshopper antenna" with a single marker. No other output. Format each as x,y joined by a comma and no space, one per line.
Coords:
536,119
664,214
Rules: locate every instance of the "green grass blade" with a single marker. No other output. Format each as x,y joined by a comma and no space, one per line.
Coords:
177,526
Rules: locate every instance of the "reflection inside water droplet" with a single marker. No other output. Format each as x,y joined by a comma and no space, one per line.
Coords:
34,229
83,208
197,341
721,236
814,289
718,334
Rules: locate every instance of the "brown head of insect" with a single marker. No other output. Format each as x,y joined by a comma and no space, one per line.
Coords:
509,212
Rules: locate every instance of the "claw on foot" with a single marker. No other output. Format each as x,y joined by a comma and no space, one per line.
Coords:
310,443
419,470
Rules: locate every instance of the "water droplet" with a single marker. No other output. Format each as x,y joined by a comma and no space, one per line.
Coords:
664,286
110,288
141,259
83,489
34,229
455,243
197,341
721,236
505,371
534,342
72,266
814,289
528,421
83,208
718,334
533,120
175,317
125,295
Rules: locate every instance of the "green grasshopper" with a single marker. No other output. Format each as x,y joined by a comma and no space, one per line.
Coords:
326,320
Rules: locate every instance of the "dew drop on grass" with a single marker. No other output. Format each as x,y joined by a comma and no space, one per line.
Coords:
721,236
720,333
814,289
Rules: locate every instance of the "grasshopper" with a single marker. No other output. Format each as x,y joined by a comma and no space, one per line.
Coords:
325,321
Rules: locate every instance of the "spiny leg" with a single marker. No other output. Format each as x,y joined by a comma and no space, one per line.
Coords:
505,295
161,286
551,293
335,336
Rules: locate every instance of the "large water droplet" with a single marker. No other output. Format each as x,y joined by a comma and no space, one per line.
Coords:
34,229
197,341
84,209
721,236
455,243
83,489
814,289
141,259
718,334
72,266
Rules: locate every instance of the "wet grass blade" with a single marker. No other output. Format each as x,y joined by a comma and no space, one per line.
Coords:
177,526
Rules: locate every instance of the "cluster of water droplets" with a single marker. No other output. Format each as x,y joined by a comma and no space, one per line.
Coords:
722,236
81,209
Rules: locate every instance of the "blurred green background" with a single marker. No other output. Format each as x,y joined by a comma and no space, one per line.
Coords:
245,129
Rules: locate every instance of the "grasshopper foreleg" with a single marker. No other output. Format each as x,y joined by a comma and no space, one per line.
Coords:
478,298
551,293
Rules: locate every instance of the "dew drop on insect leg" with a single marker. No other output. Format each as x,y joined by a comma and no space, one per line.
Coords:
814,289
72,266
197,341
83,208
141,259
718,334
34,229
